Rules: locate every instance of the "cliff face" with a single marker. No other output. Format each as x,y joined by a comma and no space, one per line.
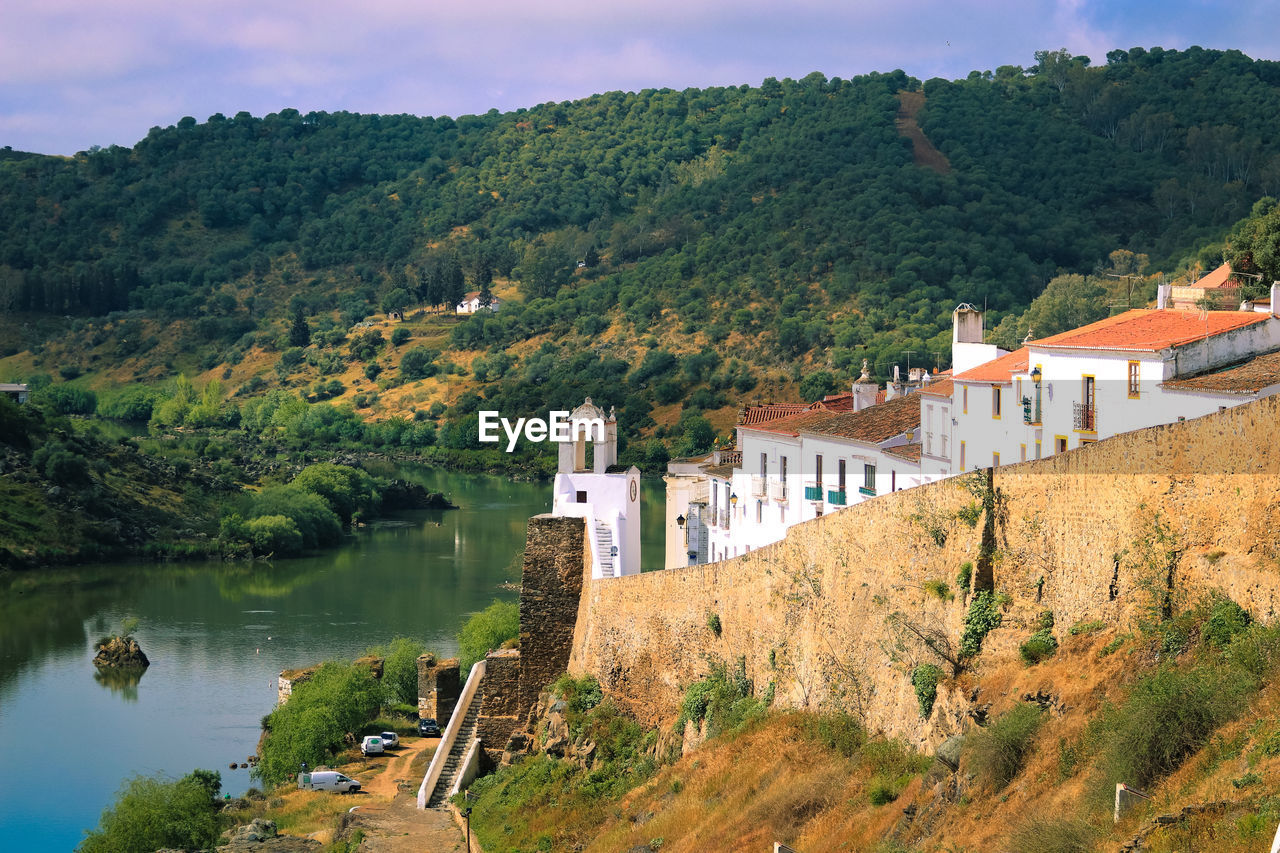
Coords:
838,613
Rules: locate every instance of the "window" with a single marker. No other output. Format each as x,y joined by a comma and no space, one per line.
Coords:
1024,453
962,456
1037,449
1059,444
764,464
817,471
759,512
995,402
893,481
580,497
840,474
1134,386
868,479
995,460
964,399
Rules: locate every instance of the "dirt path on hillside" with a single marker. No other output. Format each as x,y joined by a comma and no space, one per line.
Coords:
391,822
925,154
386,784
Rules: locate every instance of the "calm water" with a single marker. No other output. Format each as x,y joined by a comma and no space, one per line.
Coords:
218,636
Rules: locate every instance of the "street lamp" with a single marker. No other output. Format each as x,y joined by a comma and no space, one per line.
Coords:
680,521
733,498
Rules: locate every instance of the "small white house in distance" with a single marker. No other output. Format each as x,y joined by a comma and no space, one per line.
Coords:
470,303
14,391
591,485
937,429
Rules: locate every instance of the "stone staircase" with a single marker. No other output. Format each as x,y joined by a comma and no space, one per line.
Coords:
453,760
604,547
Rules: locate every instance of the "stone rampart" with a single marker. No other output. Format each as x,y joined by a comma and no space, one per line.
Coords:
832,614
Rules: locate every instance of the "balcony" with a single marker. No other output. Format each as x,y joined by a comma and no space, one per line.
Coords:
867,491
813,492
700,493
1030,411
836,497
758,486
1085,417
724,518
778,491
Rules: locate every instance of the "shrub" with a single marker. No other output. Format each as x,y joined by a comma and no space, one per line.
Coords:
399,335
892,765
713,622
1226,620
1038,647
837,732
996,753
938,589
150,813
1083,627
970,513
983,616
1169,715
1052,835
724,699
486,630
925,680
964,577
399,670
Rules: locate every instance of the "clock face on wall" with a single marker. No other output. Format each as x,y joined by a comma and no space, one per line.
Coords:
633,490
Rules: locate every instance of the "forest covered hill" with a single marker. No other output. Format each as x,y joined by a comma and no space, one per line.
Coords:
663,251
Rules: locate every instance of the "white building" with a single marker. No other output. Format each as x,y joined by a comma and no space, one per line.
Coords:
1127,372
591,485
471,303
14,391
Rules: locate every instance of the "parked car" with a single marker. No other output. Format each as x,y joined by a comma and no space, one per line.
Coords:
372,745
390,740
329,780
428,727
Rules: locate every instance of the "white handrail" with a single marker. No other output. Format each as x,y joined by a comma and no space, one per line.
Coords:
450,735
468,769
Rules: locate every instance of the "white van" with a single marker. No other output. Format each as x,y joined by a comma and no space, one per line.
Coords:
372,745
327,780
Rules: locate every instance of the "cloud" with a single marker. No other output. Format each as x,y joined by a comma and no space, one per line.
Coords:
74,74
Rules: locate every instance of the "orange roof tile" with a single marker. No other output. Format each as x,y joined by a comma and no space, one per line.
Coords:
1148,330
790,425
941,388
1246,378
909,452
751,415
999,371
1221,277
873,424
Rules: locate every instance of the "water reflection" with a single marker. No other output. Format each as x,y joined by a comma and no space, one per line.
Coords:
120,680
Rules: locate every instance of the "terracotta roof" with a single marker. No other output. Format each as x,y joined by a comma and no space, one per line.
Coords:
751,415
909,452
724,472
1246,378
1221,277
1148,330
941,388
999,371
873,424
838,402
792,424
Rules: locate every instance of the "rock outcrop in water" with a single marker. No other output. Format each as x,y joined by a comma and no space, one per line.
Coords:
121,653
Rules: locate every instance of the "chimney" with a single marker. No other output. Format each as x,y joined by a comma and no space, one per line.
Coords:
864,390
1164,293
1275,294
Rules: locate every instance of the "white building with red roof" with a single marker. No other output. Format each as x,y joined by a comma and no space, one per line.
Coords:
1127,372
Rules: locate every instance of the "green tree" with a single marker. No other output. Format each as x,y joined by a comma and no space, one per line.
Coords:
1068,302
487,630
150,813
1254,243
349,491
299,331
399,669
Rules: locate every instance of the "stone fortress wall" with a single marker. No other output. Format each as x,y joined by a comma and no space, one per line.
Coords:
1093,534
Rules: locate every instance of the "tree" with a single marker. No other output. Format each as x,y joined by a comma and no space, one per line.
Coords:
299,331
817,385
487,630
150,813
1068,302
1254,244
399,670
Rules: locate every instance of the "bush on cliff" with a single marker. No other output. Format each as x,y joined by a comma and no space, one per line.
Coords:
487,630
996,754
399,670
151,813
313,725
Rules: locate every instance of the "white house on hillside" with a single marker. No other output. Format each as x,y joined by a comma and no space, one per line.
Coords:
471,303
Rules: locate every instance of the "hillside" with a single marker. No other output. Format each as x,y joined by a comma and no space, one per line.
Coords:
662,251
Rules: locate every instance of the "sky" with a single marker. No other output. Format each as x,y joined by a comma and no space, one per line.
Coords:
74,73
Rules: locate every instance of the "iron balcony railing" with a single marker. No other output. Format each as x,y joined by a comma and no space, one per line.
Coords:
759,486
813,492
1085,417
836,497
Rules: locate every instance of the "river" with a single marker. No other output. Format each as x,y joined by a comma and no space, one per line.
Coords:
218,636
